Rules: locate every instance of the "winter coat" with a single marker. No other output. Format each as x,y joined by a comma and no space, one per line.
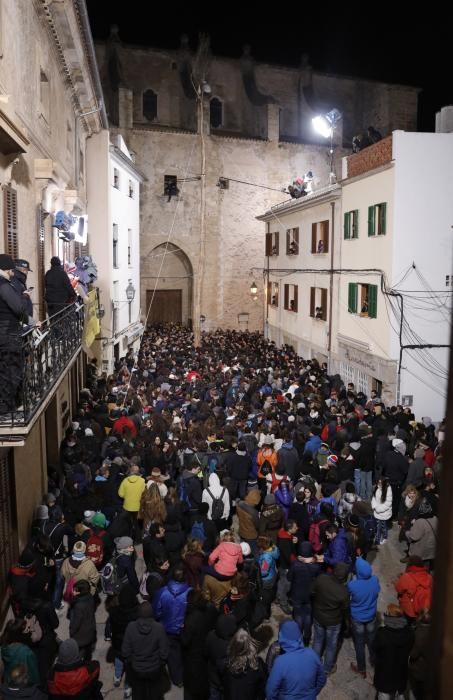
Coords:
382,511
126,570
78,681
248,515
169,605
286,547
238,466
193,488
284,498
416,472
215,590
30,692
174,541
422,538
85,571
82,625
395,467
271,520
391,646
338,550
198,623
414,588
364,457
249,684
216,646
364,592
225,558
268,566
297,674
192,564
145,645
312,445
301,575
58,287
288,458
299,513
331,597
17,654
121,615
419,660
153,550
131,489
216,490
346,504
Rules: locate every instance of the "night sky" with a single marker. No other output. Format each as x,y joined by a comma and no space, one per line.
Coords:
415,50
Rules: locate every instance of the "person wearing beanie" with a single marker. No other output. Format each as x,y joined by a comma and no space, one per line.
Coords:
13,312
58,289
330,599
395,467
301,575
125,562
238,466
73,677
271,518
298,672
364,593
79,567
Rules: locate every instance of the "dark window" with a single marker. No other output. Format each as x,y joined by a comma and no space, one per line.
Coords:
318,303
171,186
150,105
10,218
320,237
291,297
41,230
215,112
292,241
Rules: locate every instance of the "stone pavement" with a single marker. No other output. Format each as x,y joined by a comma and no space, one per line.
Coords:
342,685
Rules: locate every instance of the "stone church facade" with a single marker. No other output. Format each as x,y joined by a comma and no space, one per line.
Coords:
230,134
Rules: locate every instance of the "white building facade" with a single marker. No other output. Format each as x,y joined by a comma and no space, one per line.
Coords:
392,276
115,236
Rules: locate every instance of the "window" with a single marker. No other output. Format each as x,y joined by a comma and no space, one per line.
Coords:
351,224
377,215
292,241
272,293
115,305
318,303
115,245
320,237
116,178
291,297
10,221
129,247
272,243
149,105
449,280
362,299
44,95
170,186
215,112
131,189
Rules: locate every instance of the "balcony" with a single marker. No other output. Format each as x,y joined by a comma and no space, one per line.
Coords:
370,158
44,355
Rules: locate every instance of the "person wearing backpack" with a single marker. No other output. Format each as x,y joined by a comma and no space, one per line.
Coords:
203,529
316,533
82,621
190,489
224,559
414,588
76,568
218,500
125,562
238,465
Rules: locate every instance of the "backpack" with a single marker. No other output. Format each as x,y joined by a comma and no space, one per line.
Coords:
110,580
182,493
68,595
95,548
197,532
144,581
218,505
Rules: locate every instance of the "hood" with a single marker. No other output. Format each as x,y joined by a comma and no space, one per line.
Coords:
214,482
421,575
362,568
253,497
340,570
395,623
287,445
133,478
226,626
176,588
145,625
289,636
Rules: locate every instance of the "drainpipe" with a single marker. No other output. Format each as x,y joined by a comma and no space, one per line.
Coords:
201,267
332,247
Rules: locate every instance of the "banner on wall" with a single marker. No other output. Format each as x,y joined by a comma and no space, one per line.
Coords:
92,325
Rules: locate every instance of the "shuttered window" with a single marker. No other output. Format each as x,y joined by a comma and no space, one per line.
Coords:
377,219
324,304
347,225
312,301
371,221
372,300
41,249
268,244
10,221
351,224
352,298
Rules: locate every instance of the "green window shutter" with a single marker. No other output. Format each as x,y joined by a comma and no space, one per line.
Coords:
355,224
347,225
371,220
383,218
352,298
372,300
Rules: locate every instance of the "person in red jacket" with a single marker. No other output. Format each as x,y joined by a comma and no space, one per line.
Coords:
414,588
73,678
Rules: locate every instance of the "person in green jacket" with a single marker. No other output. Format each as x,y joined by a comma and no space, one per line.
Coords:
16,652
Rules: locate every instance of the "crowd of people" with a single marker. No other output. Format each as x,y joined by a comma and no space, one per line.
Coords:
202,491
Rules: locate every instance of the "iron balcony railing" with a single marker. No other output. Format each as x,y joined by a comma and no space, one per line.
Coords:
44,353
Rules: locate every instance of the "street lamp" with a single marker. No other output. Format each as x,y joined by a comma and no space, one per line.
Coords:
253,289
130,296
325,125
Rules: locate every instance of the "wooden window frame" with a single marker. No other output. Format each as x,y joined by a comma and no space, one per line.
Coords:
320,232
322,303
377,219
291,301
351,225
292,241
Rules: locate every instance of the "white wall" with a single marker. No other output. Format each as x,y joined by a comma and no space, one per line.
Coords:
423,235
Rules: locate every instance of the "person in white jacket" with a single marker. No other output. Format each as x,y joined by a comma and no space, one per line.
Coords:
381,504
216,490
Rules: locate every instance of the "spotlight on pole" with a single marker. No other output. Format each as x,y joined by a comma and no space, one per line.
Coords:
325,125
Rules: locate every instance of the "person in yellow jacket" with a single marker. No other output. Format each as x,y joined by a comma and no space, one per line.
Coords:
131,489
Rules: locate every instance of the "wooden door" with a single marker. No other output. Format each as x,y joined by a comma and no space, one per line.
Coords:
166,306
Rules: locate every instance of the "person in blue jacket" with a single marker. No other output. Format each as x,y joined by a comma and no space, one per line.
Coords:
338,547
364,593
297,672
268,555
169,605
314,441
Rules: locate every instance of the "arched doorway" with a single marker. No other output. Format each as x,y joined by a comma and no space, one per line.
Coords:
170,300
